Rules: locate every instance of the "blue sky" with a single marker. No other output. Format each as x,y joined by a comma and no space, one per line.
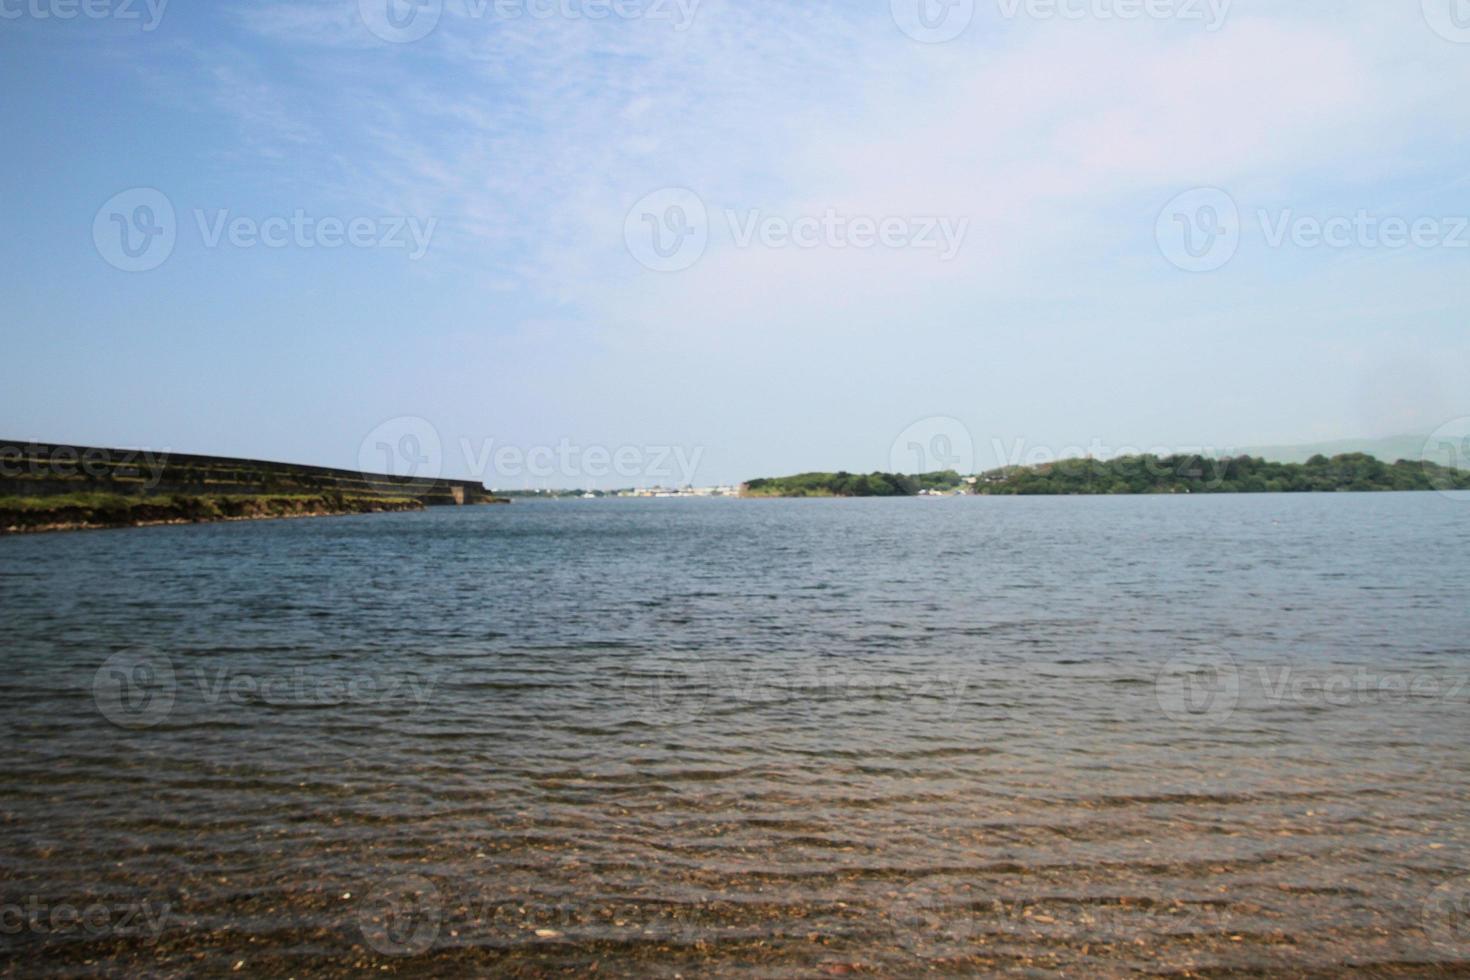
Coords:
526,144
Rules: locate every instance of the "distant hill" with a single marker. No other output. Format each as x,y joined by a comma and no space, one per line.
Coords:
1389,449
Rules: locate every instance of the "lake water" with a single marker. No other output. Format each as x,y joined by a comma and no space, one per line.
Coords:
795,738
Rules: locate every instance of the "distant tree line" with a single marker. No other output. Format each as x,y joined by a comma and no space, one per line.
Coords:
1180,473
844,484
1189,473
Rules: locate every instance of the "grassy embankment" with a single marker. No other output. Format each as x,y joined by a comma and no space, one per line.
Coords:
99,510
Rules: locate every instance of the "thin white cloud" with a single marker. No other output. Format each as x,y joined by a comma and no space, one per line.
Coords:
1057,141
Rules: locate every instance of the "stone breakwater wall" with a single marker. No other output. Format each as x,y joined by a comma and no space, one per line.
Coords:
37,469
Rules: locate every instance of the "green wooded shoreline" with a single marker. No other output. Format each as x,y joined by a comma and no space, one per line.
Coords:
1143,474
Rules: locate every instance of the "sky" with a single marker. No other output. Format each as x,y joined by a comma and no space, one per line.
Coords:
637,242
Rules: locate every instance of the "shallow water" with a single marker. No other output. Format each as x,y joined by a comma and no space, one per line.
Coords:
1094,735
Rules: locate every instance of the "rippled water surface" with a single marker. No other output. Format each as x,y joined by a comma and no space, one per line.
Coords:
771,738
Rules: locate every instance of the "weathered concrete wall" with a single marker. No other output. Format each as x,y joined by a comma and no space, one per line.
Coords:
30,469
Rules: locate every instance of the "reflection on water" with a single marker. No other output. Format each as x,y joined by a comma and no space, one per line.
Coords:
760,737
